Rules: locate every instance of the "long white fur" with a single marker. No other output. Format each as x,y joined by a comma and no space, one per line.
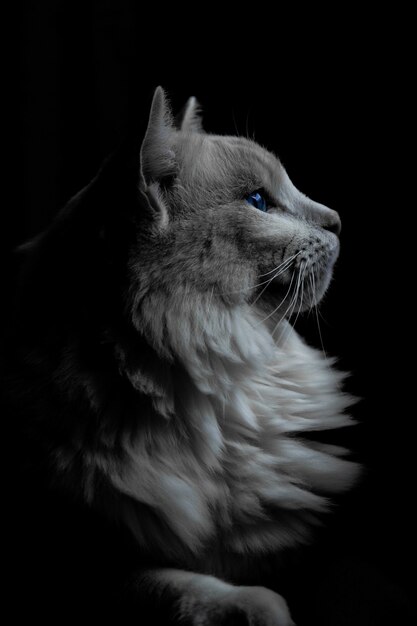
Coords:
247,397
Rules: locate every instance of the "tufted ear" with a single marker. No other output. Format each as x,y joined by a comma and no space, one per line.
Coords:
191,118
157,157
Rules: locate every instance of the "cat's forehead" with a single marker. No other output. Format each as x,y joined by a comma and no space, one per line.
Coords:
216,157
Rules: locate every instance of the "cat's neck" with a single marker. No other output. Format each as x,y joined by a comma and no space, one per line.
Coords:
202,332
227,351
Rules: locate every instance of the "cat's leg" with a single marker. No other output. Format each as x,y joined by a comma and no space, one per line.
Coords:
201,600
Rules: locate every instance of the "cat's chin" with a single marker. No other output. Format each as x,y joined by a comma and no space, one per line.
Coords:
321,284
310,292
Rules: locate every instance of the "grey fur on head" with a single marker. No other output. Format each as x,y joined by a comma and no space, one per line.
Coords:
212,238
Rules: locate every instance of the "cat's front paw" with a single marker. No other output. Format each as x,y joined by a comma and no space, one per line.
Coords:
263,607
240,606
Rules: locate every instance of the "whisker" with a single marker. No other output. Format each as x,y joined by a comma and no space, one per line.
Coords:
280,304
322,316
227,293
291,305
247,124
297,296
281,264
312,305
317,315
301,295
235,124
281,269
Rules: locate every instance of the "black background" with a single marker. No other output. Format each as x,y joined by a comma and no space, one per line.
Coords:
331,103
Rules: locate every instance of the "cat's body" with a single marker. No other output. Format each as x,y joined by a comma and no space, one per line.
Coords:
166,383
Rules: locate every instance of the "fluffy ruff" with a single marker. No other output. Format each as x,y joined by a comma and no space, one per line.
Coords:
216,473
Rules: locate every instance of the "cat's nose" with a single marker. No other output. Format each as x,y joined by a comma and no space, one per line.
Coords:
332,222
323,216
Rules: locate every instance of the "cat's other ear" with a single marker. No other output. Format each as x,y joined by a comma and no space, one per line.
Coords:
191,120
157,157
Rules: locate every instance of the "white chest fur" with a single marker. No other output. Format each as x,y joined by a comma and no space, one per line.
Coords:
228,462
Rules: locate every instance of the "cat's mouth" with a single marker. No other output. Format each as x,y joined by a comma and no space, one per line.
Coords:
303,283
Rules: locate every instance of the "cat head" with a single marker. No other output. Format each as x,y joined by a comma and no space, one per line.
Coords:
186,220
223,216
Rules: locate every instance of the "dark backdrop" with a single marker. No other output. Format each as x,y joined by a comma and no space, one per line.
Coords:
330,103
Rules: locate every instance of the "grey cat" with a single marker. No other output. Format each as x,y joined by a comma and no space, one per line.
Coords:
204,390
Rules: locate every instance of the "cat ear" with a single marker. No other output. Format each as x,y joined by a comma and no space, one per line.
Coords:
191,117
157,157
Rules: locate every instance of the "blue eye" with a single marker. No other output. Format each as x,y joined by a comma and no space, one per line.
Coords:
257,200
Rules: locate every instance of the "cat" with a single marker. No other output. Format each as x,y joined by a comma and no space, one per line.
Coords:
154,365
